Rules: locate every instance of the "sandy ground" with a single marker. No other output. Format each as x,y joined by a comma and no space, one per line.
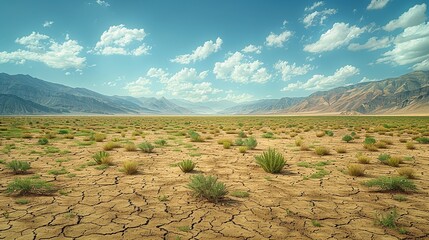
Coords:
107,204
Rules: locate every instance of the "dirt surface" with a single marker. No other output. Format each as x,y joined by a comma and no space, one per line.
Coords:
96,203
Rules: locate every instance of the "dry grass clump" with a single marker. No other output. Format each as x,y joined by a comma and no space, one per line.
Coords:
102,157
111,145
130,167
320,133
321,150
362,158
223,140
242,149
407,172
99,137
298,142
130,146
410,145
304,147
341,149
380,144
355,170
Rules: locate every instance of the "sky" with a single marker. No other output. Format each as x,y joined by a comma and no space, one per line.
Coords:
201,50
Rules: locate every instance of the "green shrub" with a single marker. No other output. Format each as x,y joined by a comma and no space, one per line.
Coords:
195,137
63,131
241,134
23,186
239,142
43,141
111,145
268,135
423,140
101,157
410,145
18,166
240,194
388,219
329,133
407,172
207,187
227,145
400,184
383,157
186,166
161,142
58,172
271,161
347,138
250,143
369,140
242,149
146,147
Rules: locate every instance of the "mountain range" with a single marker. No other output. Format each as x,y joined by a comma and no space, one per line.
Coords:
407,94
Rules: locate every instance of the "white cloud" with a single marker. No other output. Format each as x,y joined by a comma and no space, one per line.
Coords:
140,87
414,16
410,47
311,18
288,71
238,98
102,3
48,23
318,82
372,44
377,4
67,73
41,48
238,68
314,6
365,79
339,35
422,66
119,40
252,49
274,40
200,53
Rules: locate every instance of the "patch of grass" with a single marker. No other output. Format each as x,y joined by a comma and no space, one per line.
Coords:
388,219
268,135
146,147
355,170
43,141
30,185
130,167
400,184
186,166
329,133
102,157
362,158
207,187
130,146
250,143
22,201
102,167
341,149
184,228
242,149
407,172
316,223
226,145
194,136
423,140
163,198
240,194
410,146
321,150
56,172
399,197
99,137
18,167
111,145
161,142
319,174
271,161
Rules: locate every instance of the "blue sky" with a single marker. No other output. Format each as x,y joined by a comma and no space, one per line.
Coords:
213,50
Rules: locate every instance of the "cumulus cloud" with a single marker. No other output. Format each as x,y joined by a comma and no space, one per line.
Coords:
314,6
372,44
312,18
318,82
252,49
274,40
48,23
377,4
139,88
339,35
41,48
288,71
119,40
365,79
238,68
414,16
102,3
410,47
200,53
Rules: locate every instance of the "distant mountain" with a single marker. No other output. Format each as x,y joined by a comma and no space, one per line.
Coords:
387,96
13,105
264,106
209,107
65,99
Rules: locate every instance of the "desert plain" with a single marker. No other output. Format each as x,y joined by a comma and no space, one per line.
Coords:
314,196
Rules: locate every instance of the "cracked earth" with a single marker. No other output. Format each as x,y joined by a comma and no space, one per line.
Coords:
107,204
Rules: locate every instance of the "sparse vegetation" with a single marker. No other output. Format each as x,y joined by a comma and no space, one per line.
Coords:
25,186
102,157
271,161
250,143
146,147
407,172
187,166
18,167
321,150
130,167
207,187
347,138
400,184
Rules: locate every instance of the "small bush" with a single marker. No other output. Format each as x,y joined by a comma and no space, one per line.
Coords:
130,146
271,161
422,140
268,135
195,137
207,187
130,167
223,140
356,170
24,186
394,161
56,172
101,157
320,134
250,143
242,149
111,145
410,145
347,138
381,145
341,150
370,147
321,151
407,172
388,219
43,141
383,157
298,142
239,142
369,140
63,131
304,147
146,147
227,145
240,194
187,166
241,134
329,133
18,167
400,184
363,159
99,137
161,142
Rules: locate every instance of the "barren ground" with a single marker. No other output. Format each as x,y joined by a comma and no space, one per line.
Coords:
106,203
